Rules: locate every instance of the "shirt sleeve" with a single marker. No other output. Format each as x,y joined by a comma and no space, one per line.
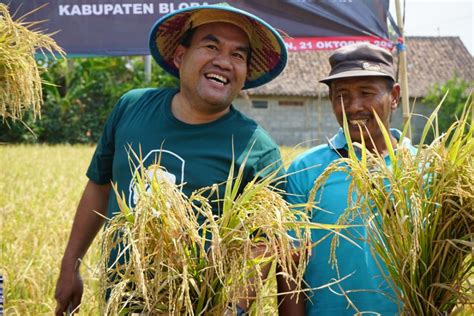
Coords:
296,193
296,190
100,168
269,163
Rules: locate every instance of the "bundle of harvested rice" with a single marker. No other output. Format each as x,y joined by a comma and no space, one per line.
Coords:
20,82
180,258
419,212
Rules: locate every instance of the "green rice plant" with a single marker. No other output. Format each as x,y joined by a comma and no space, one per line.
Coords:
289,154
178,257
20,82
418,210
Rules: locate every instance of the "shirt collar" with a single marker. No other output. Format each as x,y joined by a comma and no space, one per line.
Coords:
338,141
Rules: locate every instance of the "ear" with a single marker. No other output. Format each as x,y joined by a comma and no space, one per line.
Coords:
395,96
178,56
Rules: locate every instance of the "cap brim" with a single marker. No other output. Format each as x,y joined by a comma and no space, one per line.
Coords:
268,51
354,73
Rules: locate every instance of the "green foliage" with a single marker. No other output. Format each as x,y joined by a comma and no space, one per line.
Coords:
458,94
78,96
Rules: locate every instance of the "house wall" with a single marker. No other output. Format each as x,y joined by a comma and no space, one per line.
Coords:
292,125
313,122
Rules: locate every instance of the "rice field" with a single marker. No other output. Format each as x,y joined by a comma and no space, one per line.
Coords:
40,187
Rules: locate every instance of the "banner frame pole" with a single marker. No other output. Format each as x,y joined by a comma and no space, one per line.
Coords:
403,71
147,68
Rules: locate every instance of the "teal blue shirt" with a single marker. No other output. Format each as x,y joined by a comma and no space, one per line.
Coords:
364,283
194,156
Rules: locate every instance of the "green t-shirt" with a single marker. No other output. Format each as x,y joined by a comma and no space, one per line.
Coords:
194,155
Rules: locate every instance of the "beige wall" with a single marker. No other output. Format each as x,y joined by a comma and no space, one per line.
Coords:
291,125
310,124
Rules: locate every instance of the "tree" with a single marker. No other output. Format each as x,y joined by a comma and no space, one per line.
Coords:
457,92
78,96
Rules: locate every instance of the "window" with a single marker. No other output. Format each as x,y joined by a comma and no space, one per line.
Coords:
290,103
259,104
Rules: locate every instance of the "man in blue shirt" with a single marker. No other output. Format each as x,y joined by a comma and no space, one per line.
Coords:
361,81
194,131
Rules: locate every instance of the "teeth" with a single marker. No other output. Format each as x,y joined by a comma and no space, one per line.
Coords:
358,122
218,78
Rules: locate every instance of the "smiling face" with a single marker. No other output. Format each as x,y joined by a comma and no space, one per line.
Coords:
213,68
361,96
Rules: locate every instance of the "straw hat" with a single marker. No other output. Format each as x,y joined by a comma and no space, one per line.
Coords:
268,51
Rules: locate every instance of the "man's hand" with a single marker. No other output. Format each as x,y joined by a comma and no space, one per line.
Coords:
69,289
86,224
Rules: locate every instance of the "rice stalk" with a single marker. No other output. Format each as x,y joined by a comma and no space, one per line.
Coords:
20,81
419,212
178,257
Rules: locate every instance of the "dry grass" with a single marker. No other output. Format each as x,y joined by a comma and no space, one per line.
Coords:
20,82
177,264
41,186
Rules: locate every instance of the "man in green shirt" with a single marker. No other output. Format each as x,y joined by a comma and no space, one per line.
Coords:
194,131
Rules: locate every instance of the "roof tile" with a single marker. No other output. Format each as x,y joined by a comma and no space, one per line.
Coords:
430,60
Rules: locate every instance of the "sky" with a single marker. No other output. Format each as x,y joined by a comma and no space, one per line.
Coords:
439,18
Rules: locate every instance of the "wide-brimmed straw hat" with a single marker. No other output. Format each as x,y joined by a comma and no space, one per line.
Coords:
360,60
268,55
